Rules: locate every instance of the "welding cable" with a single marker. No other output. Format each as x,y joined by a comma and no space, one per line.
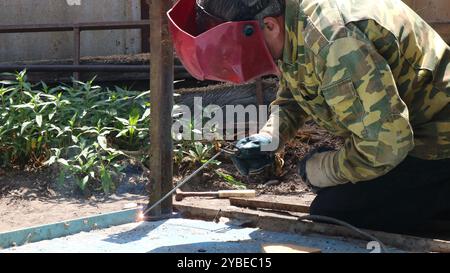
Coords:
320,218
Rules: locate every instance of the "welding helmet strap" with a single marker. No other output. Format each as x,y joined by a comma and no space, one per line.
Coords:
269,8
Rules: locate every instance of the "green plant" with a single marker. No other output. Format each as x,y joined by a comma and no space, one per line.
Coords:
79,127
231,179
92,161
87,130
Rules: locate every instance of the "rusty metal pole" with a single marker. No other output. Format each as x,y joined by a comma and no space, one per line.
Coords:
259,92
76,50
161,86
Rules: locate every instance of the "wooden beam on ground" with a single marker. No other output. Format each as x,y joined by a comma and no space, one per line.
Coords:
161,86
211,209
287,248
57,230
270,202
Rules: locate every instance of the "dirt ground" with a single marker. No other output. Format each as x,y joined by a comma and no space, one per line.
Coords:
287,183
30,198
33,198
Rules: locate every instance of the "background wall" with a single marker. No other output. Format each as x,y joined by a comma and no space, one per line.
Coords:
58,45
434,11
39,46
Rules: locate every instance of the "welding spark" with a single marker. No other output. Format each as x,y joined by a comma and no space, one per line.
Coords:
140,217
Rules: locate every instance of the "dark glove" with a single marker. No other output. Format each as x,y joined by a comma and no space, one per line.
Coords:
302,166
250,160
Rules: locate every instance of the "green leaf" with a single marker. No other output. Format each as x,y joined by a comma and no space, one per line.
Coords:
50,161
147,93
25,126
39,120
61,178
63,162
51,115
123,121
134,116
122,133
7,82
106,179
102,141
74,139
230,179
84,182
146,114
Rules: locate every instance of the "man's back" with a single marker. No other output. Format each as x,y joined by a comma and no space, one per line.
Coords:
418,58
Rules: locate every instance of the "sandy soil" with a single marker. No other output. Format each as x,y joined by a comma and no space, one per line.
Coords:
34,198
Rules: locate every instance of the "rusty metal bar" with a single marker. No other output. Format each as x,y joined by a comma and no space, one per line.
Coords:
70,27
75,68
76,50
76,28
161,86
82,68
145,32
259,92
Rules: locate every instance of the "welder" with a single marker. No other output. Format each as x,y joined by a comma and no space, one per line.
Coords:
372,72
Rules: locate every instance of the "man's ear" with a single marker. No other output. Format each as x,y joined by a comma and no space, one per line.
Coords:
272,27
274,35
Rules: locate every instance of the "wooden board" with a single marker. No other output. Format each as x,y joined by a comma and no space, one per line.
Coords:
273,203
270,248
70,227
211,208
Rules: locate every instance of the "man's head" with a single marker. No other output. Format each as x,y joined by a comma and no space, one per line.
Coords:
270,14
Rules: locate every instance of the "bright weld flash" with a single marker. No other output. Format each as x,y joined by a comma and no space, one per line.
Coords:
140,217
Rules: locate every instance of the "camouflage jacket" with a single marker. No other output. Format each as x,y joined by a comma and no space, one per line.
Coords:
371,71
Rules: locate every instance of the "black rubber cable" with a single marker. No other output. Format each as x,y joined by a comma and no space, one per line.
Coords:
345,224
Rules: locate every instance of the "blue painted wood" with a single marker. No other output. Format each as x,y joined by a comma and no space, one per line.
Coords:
62,229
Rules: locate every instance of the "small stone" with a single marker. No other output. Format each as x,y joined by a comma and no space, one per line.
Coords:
272,183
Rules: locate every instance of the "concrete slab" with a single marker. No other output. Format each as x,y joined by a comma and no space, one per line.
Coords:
184,236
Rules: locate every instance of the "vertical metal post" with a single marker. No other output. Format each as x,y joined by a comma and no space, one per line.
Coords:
259,98
76,50
145,32
161,86
259,92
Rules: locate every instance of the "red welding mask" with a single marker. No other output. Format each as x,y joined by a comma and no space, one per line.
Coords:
228,51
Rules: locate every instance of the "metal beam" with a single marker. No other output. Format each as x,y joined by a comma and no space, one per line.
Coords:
81,68
62,229
70,27
161,86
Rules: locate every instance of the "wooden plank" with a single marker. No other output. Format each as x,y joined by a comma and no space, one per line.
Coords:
271,203
61,229
288,248
210,209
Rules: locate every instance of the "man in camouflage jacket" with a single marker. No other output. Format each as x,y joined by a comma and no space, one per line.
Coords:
378,75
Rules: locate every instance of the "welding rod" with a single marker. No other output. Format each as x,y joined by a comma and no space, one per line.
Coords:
183,182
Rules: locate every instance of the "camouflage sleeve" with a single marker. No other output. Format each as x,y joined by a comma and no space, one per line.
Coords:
360,89
286,115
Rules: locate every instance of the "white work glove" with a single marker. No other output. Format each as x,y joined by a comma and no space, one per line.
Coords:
317,169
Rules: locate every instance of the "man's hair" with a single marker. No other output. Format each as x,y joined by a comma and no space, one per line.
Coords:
237,10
